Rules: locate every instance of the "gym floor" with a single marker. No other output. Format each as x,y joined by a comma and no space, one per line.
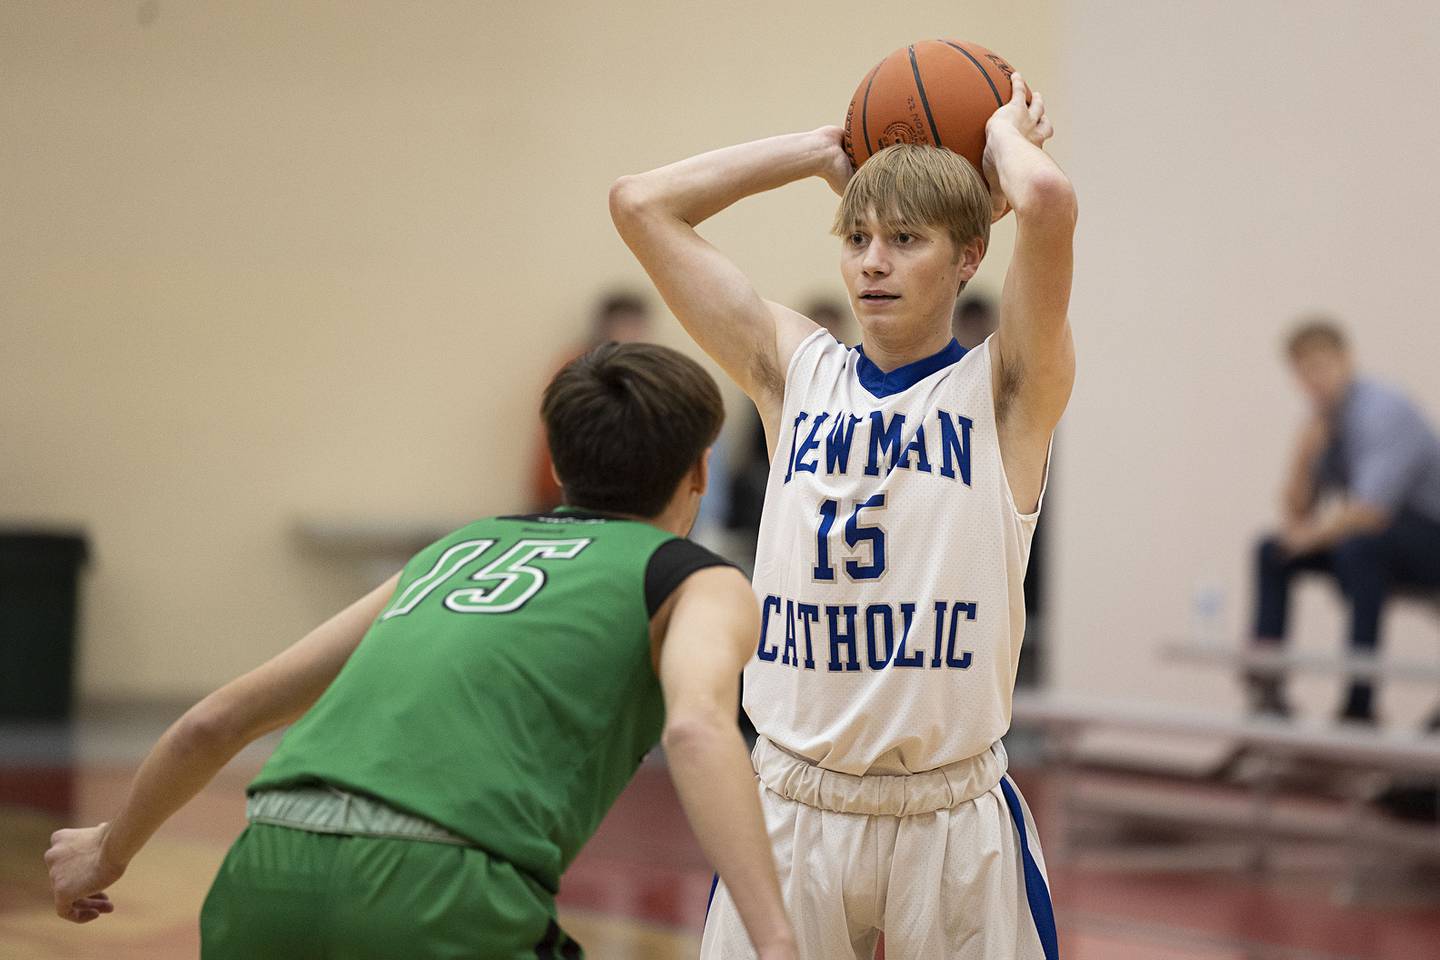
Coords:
639,889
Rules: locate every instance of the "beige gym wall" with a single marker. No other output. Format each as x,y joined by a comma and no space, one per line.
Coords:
277,261
1238,162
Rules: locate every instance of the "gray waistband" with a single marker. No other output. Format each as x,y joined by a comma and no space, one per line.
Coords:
331,810
878,795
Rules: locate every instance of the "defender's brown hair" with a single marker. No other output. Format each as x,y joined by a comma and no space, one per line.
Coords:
625,422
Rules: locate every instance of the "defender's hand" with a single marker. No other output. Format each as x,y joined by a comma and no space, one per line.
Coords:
1024,116
79,873
837,169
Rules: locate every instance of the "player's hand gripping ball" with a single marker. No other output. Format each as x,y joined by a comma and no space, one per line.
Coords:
1023,115
939,92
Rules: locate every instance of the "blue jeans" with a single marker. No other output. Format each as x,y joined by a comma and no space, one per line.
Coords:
1367,568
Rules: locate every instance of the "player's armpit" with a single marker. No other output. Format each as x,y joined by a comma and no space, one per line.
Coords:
1034,349
1033,356
791,330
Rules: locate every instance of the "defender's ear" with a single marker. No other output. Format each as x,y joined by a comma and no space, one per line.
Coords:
700,473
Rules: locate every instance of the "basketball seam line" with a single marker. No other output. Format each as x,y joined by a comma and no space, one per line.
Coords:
978,66
924,101
865,109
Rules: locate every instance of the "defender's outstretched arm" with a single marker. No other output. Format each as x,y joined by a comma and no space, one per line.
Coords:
656,214
710,634
188,755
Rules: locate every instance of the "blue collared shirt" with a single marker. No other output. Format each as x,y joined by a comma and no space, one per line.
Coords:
1383,452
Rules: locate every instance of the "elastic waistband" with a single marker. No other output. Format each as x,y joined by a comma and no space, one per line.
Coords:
328,809
879,795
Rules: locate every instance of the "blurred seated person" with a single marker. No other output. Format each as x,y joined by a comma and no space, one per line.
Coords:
620,317
973,320
1369,445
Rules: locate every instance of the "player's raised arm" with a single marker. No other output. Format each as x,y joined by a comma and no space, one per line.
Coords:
710,634
84,862
1036,354
657,213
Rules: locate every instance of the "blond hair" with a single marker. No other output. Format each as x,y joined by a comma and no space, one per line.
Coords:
909,184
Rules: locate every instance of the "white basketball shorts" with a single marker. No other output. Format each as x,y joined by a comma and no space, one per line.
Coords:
946,863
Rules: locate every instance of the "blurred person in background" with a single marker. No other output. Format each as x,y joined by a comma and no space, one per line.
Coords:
752,467
1369,445
830,314
974,319
619,317
460,732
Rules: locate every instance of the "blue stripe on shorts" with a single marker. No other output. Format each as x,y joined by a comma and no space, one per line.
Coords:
1035,890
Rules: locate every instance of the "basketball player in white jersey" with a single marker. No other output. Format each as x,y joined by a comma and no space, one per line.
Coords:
905,483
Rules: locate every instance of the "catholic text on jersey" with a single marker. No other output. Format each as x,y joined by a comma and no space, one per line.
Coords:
877,636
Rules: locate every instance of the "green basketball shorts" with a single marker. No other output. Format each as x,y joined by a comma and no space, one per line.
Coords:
294,894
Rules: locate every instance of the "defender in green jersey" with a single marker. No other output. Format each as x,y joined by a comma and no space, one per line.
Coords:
460,732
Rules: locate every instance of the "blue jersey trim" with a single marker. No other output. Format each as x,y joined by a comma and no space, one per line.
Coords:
1036,892
710,900
882,384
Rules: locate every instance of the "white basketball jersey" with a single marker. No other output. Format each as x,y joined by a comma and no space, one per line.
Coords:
890,565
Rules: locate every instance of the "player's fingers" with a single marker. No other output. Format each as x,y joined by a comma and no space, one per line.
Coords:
1044,129
1037,106
1018,89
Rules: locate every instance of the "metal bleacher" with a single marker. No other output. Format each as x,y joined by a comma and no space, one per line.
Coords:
1208,821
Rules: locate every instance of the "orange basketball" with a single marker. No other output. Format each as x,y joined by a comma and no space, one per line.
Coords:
939,92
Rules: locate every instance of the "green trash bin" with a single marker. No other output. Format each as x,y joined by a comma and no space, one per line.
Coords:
39,612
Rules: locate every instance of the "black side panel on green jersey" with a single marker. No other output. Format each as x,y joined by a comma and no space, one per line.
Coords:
670,564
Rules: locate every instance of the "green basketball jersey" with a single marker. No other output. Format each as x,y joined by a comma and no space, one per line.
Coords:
507,692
